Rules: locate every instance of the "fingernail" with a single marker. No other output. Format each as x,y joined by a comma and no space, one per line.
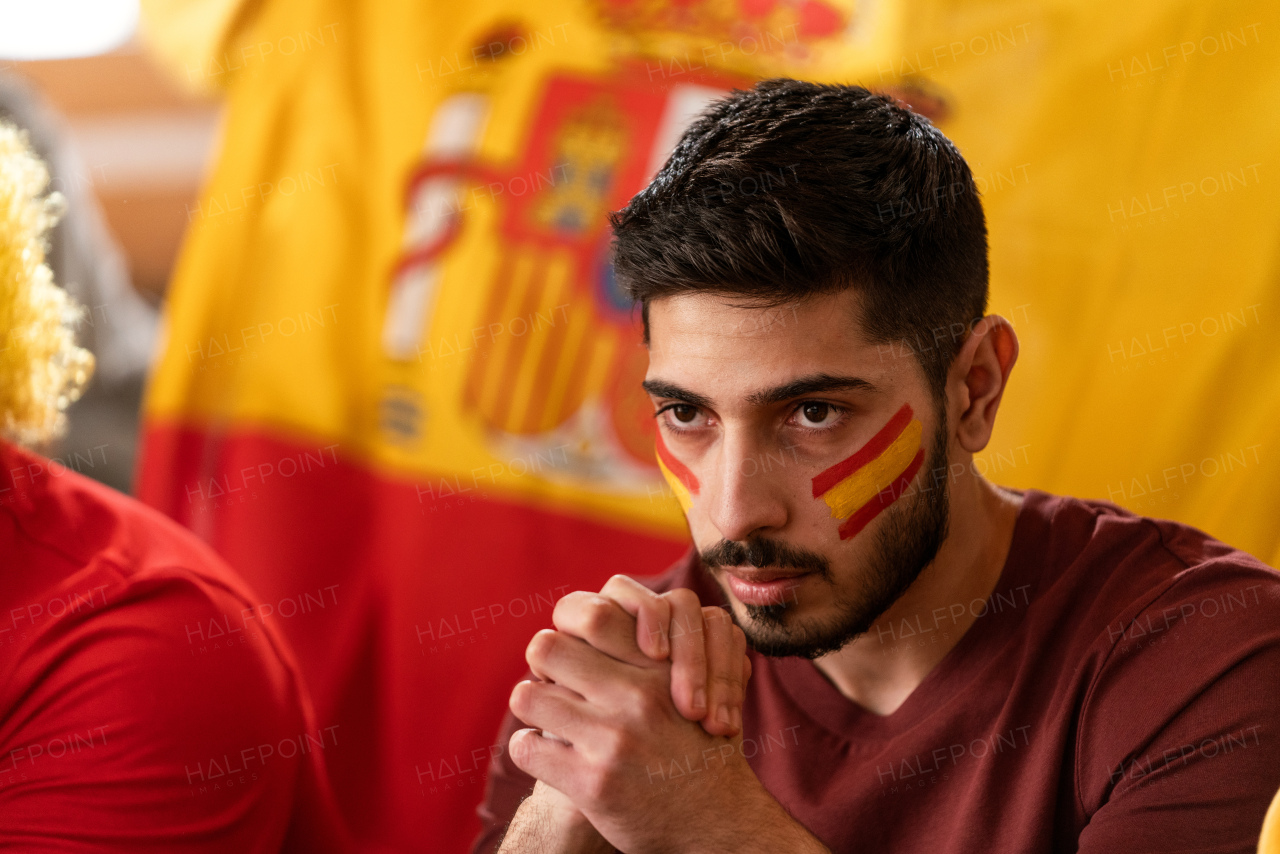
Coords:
737,719
664,643
724,716
700,699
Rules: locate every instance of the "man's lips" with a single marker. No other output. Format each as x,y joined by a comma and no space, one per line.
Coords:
759,575
753,586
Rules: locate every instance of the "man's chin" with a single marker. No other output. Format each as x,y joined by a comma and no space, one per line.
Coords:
786,630
790,644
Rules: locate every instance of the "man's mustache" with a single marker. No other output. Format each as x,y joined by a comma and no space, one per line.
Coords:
762,553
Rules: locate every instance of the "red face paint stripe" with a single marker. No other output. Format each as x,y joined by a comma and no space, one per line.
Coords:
868,452
872,508
677,468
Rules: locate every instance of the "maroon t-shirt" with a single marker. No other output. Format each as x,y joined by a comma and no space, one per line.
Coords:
1119,692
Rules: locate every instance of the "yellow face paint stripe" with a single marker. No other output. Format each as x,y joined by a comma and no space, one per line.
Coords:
864,484
682,492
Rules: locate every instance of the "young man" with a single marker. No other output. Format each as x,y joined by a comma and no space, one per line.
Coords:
146,701
937,663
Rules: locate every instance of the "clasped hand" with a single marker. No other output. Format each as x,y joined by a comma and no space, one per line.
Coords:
636,723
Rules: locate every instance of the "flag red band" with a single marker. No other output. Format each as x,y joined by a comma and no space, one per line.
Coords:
887,496
868,452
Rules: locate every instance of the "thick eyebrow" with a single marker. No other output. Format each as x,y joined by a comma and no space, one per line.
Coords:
813,384
658,388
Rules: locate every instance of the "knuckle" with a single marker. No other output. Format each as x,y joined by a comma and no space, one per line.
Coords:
541,647
686,632
596,784
521,748
571,598
635,699
521,700
618,580
563,720
683,597
597,615
645,700
661,607
717,617
695,650
727,682
616,745
567,605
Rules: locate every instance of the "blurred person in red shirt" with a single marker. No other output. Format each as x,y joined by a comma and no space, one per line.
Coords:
145,704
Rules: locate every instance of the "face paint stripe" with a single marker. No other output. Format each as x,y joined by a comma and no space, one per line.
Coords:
864,484
868,452
674,466
682,493
682,481
873,508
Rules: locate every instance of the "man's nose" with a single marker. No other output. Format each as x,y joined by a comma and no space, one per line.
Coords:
747,494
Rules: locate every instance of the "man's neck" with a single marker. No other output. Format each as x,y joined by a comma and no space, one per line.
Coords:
880,669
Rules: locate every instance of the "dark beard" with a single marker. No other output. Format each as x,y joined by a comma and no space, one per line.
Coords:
907,541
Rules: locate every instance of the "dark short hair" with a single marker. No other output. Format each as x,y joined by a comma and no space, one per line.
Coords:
794,189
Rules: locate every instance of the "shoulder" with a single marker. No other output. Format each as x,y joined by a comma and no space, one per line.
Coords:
1134,594
79,522
100,563
138,657
1114,565
113,578
1176,640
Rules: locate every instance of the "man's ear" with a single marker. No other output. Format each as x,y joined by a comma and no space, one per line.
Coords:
977,379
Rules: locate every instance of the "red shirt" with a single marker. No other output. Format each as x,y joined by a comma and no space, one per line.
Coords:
143,707
1120,692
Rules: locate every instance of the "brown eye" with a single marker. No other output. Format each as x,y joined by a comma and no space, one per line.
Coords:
684,413
815,413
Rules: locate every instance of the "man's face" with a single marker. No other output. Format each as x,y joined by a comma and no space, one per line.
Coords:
803,456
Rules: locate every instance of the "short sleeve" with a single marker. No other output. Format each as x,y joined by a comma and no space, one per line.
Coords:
1179,746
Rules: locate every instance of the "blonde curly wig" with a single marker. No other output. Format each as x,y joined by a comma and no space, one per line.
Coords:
41,369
